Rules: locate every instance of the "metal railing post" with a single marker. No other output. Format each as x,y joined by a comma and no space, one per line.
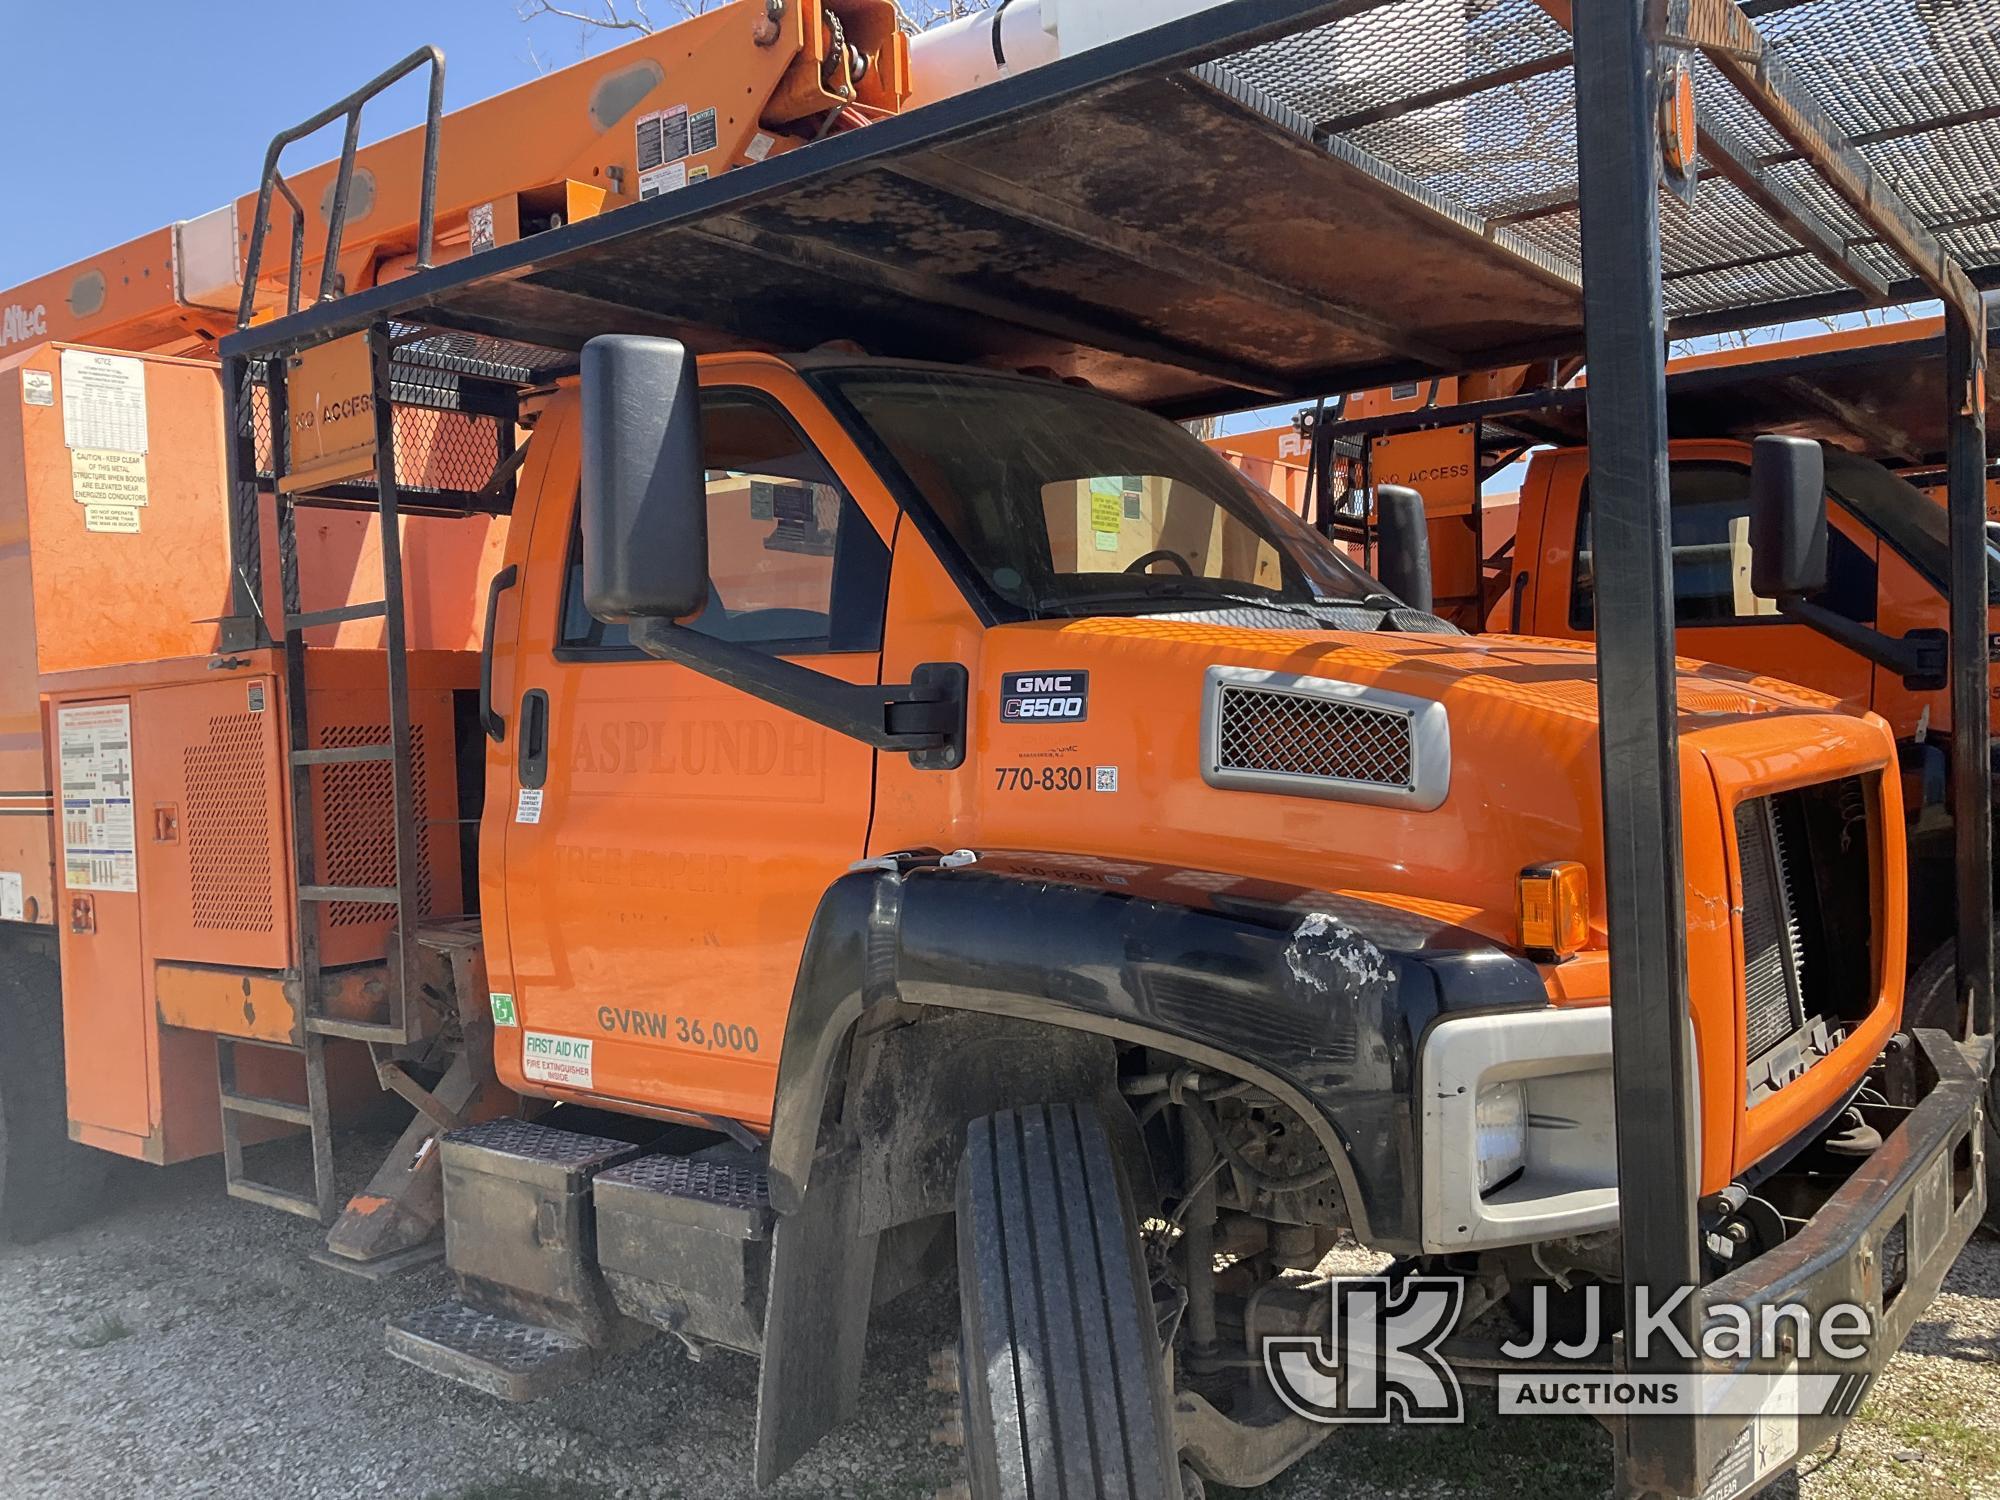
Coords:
1645,898
1971,759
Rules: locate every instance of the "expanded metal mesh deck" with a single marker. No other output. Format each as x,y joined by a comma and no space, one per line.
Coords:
1268,201
1474,101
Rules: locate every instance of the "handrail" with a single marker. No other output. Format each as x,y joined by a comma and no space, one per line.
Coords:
336,225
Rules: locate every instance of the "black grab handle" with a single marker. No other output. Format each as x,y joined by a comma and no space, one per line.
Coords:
489,719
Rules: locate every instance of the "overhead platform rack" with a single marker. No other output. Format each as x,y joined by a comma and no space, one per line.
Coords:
1883,397
1261,202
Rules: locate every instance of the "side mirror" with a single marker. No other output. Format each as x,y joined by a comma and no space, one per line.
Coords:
644,501
1403,553
1787,518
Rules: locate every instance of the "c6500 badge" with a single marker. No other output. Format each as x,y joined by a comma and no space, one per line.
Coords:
1044,697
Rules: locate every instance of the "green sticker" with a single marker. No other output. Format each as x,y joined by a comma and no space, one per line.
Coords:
503,1011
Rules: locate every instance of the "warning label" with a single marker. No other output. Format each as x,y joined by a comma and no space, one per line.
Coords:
561,1060
104,401
662,137
701,133
104,476
667,179
121,520
95,747
38,388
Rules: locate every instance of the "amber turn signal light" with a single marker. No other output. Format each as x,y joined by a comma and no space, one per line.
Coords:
1555,908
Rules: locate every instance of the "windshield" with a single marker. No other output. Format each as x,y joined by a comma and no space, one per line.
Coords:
1907,518
1068,503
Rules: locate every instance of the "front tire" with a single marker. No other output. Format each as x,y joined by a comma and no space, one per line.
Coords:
1064,1384
1930,999
47,1181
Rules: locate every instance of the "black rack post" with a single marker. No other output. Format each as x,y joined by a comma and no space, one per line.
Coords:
244,626
1625,345
1971,761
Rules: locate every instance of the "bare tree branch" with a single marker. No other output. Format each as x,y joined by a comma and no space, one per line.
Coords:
612,16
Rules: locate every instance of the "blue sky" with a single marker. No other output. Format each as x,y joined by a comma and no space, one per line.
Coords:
118,118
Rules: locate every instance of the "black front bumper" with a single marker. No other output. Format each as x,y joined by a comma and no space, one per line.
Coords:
1883,1241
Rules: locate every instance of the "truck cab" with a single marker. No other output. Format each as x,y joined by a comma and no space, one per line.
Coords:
879,751
1887,560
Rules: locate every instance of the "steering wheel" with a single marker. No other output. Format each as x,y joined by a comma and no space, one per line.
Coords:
1160,554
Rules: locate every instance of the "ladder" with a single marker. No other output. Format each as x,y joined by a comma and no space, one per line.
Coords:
315,1025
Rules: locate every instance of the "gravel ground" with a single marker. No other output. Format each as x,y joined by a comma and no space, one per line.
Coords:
183,1345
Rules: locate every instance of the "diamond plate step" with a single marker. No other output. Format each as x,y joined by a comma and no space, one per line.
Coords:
514,1361
722,1191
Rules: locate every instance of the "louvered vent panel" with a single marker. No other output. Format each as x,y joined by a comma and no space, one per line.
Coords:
358,799
1291,734
1771,1007
227,827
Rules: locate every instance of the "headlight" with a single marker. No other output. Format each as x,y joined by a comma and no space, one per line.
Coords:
1501,1119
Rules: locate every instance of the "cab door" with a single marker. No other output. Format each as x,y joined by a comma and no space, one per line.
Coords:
669,838
1719,618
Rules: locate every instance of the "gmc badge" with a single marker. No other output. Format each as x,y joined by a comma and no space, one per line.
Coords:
1044,697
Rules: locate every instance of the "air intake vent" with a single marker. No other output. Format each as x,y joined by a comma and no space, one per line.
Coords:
1773,957
228,828
1809,966
1315,737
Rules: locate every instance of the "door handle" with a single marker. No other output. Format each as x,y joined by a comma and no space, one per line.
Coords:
489,720
534,738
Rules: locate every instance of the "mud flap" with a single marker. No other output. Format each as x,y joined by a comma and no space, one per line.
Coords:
816,1321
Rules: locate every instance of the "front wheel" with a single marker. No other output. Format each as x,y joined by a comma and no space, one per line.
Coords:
1063,1380
1930,999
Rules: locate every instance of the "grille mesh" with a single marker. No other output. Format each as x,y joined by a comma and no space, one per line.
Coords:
229,828
1771,1013
1294,734
359,803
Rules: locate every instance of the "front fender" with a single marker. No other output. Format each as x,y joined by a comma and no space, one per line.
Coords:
1323,1000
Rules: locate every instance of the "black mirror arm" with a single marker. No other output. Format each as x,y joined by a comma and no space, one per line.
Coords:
1922,658
924,718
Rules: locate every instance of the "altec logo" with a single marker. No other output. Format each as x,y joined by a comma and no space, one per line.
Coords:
19,324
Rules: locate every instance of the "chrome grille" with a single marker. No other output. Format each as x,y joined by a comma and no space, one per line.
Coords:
1290,734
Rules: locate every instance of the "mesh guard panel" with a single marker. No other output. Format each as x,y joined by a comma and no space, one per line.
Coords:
358,802
228,828
1290,734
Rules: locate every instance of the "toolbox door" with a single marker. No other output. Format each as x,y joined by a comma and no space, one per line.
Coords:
107,1031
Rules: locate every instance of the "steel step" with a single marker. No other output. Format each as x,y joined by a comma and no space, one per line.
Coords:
237,1103
723,1190
365,895
343,755
269,1109
684,1243
504,1358
379,1032
283,1199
